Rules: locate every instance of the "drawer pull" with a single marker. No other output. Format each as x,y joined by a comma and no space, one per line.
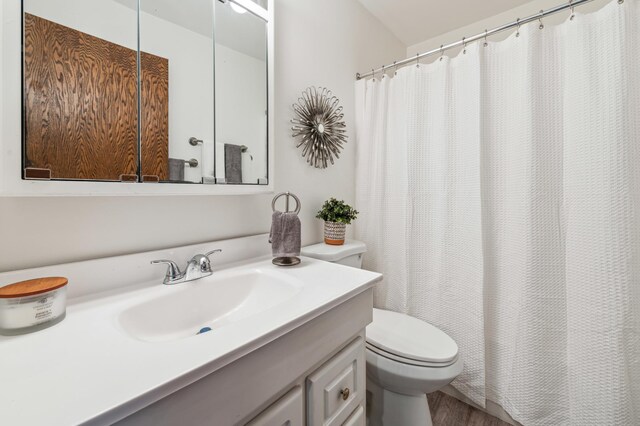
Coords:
345,394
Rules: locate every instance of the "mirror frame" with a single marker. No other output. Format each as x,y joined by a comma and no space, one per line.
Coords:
11,182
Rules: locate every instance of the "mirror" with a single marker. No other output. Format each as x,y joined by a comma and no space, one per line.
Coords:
120,95
241,95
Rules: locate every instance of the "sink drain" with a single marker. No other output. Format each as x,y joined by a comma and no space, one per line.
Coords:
203,330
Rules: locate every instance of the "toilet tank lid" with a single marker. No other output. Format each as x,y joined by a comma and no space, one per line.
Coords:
331,253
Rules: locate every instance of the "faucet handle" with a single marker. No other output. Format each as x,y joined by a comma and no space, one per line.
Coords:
213,252
204,261
173,270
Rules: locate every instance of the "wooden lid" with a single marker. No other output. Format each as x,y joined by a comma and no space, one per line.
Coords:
32,287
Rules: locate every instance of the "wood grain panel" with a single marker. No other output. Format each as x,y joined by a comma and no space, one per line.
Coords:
81,105
155,115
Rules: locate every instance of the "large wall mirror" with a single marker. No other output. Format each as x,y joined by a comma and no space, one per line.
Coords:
146,91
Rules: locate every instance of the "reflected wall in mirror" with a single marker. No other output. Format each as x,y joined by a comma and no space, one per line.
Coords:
241,95
80,90
113,93
180,32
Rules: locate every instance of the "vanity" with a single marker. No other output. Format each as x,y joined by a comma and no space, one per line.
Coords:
285,345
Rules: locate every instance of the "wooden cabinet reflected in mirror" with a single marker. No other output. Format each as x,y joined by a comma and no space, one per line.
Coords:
81,107
154,98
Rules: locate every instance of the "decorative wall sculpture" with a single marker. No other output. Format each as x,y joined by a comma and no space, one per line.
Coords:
319,126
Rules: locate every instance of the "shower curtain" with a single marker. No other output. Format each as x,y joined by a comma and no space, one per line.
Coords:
499,194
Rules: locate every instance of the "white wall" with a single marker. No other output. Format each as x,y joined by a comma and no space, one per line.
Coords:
42,231
511,15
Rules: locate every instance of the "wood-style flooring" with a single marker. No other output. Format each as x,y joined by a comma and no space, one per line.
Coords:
448,411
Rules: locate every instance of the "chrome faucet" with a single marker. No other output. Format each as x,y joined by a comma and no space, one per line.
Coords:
198,267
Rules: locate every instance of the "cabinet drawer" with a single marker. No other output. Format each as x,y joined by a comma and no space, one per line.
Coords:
357,418
287,411
336,389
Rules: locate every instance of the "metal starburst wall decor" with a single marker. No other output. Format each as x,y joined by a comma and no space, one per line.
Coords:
319,126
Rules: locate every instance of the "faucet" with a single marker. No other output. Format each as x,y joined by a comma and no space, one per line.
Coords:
198,267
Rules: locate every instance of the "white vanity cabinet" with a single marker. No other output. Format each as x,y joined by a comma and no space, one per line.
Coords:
287,411
335,394
286,346
337,388
313,375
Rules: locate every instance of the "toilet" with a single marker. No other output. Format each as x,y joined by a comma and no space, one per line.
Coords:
406,357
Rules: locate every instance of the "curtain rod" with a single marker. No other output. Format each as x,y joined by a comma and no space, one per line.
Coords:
466,40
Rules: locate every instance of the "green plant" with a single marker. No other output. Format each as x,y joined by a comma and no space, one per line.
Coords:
337,211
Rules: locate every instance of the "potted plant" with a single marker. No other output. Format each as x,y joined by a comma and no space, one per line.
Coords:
336,215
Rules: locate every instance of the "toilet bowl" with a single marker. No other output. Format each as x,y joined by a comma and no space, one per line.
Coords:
406,358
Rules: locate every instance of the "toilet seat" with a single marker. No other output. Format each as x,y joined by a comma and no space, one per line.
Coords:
409,340
408,361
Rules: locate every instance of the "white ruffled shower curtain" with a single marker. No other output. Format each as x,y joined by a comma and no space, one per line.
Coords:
499,194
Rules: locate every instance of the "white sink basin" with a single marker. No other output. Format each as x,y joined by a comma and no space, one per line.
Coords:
213,302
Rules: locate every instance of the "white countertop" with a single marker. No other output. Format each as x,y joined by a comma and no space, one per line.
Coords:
86,369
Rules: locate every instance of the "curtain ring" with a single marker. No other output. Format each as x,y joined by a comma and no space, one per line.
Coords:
486,43
518,30
373,74
541,26
441,52
464,46
395,66
620,1
383,74
573,10
417,60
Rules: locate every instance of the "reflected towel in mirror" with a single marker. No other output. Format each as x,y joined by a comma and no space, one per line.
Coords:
176,170
233,163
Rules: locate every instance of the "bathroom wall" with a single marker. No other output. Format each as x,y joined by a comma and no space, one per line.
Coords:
511,15
42,231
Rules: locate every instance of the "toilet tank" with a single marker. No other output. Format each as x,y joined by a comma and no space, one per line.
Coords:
348,254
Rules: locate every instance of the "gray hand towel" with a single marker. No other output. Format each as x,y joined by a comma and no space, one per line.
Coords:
285,237
233,163
176,170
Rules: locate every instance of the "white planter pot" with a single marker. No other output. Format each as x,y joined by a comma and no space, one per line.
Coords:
334,233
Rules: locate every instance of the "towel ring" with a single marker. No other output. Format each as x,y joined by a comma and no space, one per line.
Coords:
288,195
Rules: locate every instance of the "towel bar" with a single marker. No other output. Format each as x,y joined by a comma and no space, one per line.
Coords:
286,261
288,195
191,163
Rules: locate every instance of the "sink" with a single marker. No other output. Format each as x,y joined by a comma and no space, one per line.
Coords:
208,303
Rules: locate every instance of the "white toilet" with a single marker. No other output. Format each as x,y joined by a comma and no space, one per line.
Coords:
406,357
